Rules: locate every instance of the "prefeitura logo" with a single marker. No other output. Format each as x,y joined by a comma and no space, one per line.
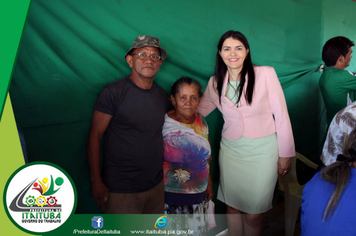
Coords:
39,197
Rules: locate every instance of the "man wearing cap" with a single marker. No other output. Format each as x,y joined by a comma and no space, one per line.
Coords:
337,85
129,113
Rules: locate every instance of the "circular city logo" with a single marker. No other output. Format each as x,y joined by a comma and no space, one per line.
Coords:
39,197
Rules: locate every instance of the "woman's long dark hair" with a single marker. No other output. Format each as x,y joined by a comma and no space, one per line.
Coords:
221,68
339,172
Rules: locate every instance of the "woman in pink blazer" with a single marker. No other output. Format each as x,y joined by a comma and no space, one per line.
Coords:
257,140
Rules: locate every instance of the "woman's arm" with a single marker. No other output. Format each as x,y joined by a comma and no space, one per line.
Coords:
206,105
279,109
209,192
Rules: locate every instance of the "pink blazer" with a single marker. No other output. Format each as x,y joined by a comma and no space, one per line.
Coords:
255,120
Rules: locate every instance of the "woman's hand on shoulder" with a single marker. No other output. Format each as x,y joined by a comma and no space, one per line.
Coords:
283,164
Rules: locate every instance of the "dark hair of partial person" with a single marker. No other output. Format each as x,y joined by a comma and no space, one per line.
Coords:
186,80
334,48
221,68
339,172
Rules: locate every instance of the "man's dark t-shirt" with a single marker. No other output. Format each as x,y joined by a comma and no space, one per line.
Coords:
133,144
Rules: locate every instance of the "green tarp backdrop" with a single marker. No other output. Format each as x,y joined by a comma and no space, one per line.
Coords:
71,48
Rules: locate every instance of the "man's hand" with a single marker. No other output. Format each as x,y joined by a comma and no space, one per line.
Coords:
99,193
284,165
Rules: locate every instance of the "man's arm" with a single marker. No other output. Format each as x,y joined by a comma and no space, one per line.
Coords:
99,124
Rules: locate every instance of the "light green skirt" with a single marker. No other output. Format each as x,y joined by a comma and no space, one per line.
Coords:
248,173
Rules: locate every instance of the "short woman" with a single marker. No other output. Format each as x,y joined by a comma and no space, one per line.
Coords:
186,166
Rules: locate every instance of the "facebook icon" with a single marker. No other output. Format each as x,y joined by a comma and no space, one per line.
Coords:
97,222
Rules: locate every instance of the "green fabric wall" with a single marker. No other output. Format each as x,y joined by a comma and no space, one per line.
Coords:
339,18
71,48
